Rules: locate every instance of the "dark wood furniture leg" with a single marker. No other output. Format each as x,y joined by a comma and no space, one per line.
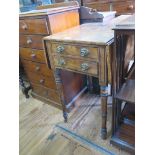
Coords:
25,89
60,89
104,94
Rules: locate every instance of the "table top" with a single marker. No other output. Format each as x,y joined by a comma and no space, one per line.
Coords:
90,33
126,24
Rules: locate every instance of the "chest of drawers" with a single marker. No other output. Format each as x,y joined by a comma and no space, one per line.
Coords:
85,49
33,26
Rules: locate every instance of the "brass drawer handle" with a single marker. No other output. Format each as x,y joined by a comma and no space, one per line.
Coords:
60,49
61,62
84,66
84,52
29,41
37,68
33,56
42,81
130,7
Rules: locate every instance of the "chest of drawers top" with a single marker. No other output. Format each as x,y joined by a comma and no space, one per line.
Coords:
48,21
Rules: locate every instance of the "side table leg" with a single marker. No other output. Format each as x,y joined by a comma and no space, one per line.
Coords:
104,94
60,89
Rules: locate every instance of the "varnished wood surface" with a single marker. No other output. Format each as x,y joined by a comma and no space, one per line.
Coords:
31,41
32,54
74,50
41,80
37,68
127,92
68,19
92,33
75,65
31,26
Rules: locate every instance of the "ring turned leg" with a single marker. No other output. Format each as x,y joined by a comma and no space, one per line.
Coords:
104,94
60,89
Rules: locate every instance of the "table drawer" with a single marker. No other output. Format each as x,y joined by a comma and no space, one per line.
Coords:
46,93
32,54
33,26
76,65
37,68
41,80
31,41
78,51
124,7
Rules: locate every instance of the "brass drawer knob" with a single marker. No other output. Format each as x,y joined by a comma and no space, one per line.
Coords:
33,56
84,52
29,41
42,81
130,7
60,49
37,68
24,27
61,62
84,66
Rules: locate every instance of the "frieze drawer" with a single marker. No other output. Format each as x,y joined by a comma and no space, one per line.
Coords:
78,51
82,66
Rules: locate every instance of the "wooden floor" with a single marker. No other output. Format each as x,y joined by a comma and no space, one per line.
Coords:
39,136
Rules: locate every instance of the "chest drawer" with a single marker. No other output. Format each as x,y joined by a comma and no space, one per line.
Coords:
37,68
124,7
78,51
33,26
46,93
82,66
41,80
31,41
32,54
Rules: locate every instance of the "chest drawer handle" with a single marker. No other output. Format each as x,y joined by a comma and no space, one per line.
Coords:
37,68
33,56
29,41
84,52
84,66
61,62
42,81
24,27
130,7
60,49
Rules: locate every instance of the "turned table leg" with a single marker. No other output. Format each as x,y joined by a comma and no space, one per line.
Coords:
104,94
60,89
